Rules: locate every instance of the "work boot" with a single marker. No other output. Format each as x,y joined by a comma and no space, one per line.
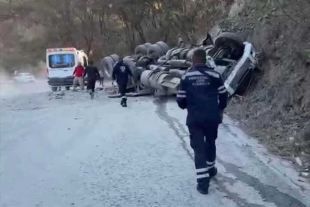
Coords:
125,102
203,186
92,95
213,172
122,102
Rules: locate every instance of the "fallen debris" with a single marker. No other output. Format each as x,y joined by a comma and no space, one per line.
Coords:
298,161
57,95
305,174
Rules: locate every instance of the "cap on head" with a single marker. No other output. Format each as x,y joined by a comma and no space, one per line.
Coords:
199,57
90,62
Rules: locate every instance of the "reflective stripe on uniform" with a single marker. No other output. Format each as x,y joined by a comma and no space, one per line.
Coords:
201,170
221,88
205,175
181,92
181,96
222,91
193,73
214,74
210,164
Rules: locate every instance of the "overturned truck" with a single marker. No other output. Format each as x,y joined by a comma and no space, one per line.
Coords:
157,69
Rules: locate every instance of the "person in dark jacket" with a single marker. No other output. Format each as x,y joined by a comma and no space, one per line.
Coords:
92,76
121,72
204,95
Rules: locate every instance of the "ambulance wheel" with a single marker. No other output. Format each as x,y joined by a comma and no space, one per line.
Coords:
67,88
54,88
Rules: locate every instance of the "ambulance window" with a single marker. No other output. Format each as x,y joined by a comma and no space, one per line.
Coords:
61,60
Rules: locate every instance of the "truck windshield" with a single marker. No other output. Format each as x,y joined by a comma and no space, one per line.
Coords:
61,60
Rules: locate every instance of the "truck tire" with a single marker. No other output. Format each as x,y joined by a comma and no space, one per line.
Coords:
228,37
67,88
54,88
233,42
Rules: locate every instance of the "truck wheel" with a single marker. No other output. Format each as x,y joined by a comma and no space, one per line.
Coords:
67,88
54,89
228,37
232,42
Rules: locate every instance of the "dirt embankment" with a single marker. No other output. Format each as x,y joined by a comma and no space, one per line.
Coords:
276,109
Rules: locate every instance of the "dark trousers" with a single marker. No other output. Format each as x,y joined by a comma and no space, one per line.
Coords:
122,89
202,140
91,83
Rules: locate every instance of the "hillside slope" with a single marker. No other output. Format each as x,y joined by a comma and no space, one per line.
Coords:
276,109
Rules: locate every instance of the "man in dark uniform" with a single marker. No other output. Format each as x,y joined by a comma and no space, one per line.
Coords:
121,71
92,76
204,95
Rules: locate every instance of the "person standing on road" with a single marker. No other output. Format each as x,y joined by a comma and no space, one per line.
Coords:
92,76
120,73
78,77
204,95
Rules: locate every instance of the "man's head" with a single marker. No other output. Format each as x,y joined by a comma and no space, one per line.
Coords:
199,57
90,62
79,63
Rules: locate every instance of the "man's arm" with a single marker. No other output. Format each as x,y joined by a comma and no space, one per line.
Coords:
97,73
85,72
74,71
114,72
181,95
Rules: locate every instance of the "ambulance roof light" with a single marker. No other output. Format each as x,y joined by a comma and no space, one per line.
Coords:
60,49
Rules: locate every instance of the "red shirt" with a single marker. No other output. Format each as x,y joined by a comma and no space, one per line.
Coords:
78,71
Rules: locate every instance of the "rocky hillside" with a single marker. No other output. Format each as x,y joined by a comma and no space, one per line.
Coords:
276,109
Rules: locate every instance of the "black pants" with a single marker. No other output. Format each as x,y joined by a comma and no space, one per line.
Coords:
91,83
202,140
122,89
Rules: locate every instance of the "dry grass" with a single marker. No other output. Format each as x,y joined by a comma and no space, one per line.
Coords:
278,105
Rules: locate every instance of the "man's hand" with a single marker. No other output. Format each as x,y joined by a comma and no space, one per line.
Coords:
222,114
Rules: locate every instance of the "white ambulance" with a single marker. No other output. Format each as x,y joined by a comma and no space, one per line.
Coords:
60,63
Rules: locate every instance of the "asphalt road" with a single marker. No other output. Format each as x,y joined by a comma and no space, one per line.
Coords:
67,150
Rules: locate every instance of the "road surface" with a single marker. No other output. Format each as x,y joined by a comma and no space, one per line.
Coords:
11,89
67,150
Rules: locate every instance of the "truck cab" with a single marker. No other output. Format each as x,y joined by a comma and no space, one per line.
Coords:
60,63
